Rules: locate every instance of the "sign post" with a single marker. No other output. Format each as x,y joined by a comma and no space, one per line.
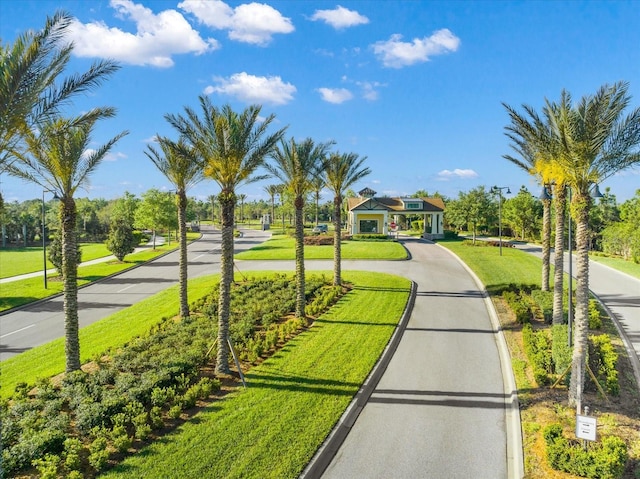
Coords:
586,427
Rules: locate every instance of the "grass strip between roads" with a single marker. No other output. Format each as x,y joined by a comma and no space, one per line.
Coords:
629,267
112,332
283,248
25,291
293,399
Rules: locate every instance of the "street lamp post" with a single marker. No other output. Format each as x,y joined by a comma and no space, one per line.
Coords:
498,189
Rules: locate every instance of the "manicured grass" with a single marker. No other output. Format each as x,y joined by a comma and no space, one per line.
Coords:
21,292
112,332
273,428
629,267
283,248
16,261
497,271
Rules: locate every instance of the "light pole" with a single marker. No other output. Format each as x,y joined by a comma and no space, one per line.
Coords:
498,189
44,244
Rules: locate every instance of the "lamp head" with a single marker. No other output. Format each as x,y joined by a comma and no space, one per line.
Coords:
544,195
595,193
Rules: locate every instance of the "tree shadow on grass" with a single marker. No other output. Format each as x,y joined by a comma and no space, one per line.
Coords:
282,381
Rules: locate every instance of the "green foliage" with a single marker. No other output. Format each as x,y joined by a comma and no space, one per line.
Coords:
54,253
537,346
518,305
99,454
121,240
595,319
604,460
47,466
561,352
371,237
603,360
544,302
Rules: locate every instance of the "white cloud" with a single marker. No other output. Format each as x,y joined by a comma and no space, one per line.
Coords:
253,23
335,95
446,175
395,53
254,89
340,17
369,90
157,38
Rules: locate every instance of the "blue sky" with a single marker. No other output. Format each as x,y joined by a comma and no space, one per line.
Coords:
416,87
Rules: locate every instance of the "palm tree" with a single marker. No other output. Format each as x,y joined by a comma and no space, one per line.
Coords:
272,191
242,197
28,72
530,139
58,158
596,141
316,186
341,171
296,165
232,146
533,140
181,168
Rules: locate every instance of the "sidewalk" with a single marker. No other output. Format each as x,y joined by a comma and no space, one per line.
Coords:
104,259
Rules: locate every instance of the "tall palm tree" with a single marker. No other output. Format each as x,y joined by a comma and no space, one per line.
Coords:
232,146
341,171
597,141
533,139
529,136
272,191
178,164
316,186
29,70
296,165
58,158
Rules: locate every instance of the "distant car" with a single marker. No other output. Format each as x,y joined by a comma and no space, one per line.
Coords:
320,229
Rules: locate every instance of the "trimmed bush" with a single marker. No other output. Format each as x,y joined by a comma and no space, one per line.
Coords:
544,302
595,320
371,237
604,460
537,346
560,351
603,361
518,305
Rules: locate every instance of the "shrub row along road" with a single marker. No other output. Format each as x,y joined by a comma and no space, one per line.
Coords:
619,292
42,322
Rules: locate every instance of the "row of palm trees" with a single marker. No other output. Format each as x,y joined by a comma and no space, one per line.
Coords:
39,145
570,148
230,148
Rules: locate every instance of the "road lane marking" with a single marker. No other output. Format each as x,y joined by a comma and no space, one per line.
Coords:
17,331
128,287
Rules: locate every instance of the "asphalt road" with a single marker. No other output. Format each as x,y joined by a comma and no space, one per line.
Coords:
42,322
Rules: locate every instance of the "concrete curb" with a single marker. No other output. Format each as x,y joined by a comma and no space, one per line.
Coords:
334,440
515,453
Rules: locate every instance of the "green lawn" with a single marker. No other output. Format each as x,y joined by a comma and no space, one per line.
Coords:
283,247
620,264
18,293
273,428
15,261
495,271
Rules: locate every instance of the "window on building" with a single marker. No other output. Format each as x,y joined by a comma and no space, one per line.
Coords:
368,226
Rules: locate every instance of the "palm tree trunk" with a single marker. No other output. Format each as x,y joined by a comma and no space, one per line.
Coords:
546,243
70,280
300,283
227,204
558,279
183,274
337,246
581,322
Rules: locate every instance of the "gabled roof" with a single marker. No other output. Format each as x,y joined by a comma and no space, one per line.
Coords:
394,204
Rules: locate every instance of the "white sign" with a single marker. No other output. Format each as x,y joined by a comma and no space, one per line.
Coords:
586,428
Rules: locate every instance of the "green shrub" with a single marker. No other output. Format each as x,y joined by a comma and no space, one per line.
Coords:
544,301
371,237
518,305
99,454
72,449
537,346
595,320
120,439
175,411
604,460
561,352
603,361
47,466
